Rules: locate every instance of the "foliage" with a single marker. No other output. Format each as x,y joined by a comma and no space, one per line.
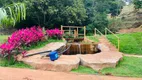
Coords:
13,63
129,43
68,35
54,33
129,66
11,14
114,24
23,37
49,13
138,4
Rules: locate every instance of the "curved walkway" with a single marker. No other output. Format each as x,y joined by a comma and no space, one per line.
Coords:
26,74
129,55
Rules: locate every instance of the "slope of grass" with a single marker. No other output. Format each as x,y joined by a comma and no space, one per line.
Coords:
96,39
129,43
129,66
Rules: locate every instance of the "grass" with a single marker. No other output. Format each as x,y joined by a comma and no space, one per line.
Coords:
85,70
130,67
3,38
129,43
93,38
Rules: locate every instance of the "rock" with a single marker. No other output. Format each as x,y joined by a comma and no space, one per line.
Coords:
64,63
103,48
101,60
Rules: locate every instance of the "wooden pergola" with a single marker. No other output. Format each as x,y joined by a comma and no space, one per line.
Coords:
75,30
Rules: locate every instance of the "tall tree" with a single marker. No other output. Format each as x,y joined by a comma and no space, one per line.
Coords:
57,12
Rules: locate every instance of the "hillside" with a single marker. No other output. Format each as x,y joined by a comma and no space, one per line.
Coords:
130,18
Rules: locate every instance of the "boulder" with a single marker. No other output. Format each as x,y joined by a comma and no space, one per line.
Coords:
101,60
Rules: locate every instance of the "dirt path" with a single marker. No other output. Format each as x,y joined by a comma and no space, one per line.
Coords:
104,40
26,74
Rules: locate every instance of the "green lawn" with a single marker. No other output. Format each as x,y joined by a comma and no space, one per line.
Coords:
3,38
129,43
129,66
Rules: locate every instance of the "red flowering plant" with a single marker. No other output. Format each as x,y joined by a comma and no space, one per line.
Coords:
54,33
20,38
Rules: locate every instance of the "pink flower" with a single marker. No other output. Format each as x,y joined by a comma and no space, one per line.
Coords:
22,37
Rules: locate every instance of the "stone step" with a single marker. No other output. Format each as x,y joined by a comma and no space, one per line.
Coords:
63,64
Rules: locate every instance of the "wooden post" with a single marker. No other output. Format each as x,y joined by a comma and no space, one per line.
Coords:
84,31
74,33
62,30
95,32
69,31
77,31
105,31
118,44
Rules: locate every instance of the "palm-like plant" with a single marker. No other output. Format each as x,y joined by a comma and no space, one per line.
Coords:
11,14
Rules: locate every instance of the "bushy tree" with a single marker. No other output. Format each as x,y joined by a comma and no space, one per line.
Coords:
138,4
56,12
97,11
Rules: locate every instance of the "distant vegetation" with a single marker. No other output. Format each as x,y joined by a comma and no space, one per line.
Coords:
54,13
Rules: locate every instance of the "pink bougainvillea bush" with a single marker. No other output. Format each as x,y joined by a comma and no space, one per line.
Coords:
23,37
54,33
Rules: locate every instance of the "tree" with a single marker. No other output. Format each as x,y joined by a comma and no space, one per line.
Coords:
97,11
138,4
56,12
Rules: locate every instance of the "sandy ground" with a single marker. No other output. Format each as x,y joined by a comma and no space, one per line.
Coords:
27,74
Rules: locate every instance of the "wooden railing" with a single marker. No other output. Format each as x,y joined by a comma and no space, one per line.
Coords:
76,30
106,32
96,30
118,39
